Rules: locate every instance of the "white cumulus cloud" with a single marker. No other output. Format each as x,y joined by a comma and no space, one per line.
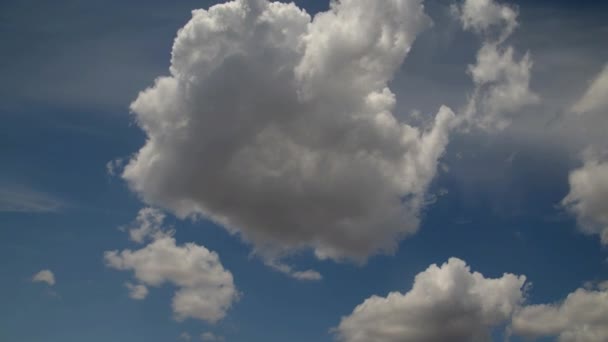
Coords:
205,290
279,127
446,303
501,81
588,196
581,317
44,276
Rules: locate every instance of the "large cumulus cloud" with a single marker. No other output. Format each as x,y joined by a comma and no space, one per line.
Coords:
446,303
279,127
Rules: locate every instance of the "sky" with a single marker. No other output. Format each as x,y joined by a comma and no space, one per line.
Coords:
245,171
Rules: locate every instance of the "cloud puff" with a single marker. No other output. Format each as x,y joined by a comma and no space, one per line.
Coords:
44,276
446,303
596,96
147,225
581,317
279,127
205,289
481,16
588,196
501,81
137,292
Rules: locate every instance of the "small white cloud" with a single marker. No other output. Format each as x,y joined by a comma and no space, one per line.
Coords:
446,303
44,276
581,317
481,16
114,167
148,225
596,96
501,81
137,292
185,336
588,196
308,275
205,289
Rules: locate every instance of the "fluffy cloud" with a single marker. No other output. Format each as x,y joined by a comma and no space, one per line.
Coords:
501,81
44,276
205,289
502,86
596,96
482,16
588,196
581,317
148,224
279,127
446,303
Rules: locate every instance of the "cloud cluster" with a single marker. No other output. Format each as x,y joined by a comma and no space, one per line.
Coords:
451,303
581,317
501,81
279,127
446,303
205,289
588,196
44,276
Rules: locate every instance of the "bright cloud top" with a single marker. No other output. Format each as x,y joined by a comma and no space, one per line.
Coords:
446,303
279,127
205,289
44,276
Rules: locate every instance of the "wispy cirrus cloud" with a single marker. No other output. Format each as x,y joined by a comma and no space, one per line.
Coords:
23,199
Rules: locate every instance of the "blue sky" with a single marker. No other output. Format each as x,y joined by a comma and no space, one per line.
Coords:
71,71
